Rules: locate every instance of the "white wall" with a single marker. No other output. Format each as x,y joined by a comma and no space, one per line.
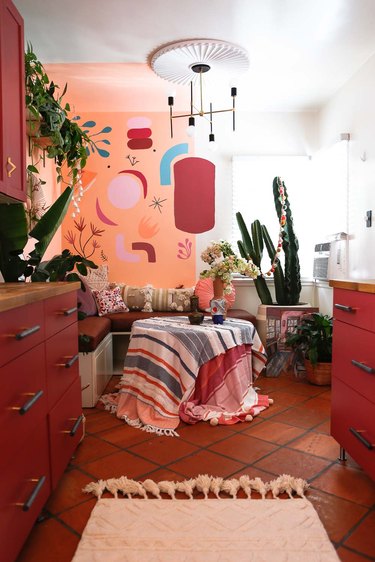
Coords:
352,110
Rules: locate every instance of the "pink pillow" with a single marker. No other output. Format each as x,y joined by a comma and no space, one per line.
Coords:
205,292
109,300
86,300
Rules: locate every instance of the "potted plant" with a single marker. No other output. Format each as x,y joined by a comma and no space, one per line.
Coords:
49,126
312,338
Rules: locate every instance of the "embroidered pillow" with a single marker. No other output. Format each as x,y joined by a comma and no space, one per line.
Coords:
172,299
97,279
138,298
204,290
109,300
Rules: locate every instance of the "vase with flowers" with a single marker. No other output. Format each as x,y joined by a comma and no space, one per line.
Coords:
223,264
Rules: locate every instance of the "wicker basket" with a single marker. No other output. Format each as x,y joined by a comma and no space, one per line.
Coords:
319,374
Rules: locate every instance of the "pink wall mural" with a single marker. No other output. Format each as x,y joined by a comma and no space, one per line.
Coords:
144,199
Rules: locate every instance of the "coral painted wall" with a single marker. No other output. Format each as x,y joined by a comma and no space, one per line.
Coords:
135,215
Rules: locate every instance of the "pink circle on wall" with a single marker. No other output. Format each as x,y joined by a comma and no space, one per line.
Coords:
124,192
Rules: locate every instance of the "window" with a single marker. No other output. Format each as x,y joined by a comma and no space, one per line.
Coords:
253,196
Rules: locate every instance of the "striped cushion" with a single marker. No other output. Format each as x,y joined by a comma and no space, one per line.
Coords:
178,300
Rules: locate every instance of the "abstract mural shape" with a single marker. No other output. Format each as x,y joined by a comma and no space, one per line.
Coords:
102,216
184,249
157,203
88,179
166,161
146,228
95,148
146,247
194,195
140,176
121,253
124,192
139,133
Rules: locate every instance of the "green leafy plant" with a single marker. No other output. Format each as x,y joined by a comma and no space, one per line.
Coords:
313,337
288,280
68,143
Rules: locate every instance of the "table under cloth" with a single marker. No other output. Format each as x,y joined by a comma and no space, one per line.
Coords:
177,370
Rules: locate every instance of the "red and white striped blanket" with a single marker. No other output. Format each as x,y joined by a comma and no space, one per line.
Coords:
161,382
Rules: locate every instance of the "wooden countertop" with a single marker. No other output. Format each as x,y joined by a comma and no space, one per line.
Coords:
363,286
13,295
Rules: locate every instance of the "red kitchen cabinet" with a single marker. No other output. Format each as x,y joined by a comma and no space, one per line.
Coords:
12,105
353,374
40,405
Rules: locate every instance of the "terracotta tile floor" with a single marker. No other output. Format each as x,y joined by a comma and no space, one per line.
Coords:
292,436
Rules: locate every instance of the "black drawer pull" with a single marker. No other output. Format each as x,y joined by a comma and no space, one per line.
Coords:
76,426
364,367
358,434
71,361
27,332
70,311
30,403
26,506
344,308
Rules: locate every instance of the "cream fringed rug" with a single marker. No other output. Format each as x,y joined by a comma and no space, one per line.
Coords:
208,530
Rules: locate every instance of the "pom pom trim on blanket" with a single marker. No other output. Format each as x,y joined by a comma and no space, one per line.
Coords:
201,484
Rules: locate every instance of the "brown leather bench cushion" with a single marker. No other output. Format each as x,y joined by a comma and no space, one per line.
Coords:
97,327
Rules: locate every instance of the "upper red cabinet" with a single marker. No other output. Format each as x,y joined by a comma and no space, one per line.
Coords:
12,105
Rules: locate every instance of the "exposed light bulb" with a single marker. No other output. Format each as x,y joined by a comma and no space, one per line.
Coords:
211,144
191,128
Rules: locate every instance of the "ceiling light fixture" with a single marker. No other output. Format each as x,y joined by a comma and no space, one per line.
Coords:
188,62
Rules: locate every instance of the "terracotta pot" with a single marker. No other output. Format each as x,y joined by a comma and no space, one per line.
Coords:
319,374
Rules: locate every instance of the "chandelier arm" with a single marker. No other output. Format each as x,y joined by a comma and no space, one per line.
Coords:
202,114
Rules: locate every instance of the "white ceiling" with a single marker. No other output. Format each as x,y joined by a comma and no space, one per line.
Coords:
301,51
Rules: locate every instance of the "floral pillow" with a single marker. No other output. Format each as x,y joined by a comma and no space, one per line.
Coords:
109,300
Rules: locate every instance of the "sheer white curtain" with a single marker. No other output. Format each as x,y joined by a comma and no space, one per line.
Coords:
253,197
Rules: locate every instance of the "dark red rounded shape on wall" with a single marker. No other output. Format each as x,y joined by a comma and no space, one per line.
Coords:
194,195
138,144
139,133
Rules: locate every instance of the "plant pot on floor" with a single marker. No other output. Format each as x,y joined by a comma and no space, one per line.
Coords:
319,374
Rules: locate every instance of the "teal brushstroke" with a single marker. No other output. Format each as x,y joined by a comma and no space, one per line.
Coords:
166,160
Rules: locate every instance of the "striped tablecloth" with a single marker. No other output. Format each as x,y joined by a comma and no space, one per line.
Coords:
165,357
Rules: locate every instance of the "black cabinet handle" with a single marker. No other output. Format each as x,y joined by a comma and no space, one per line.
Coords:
75,427
71,361
70,311
27,505
358,434
30,403
364,367
344,308
27,332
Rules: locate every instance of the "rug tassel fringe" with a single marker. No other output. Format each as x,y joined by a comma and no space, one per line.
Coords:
203,484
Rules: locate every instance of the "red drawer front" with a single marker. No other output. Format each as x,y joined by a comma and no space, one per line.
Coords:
61,363
60,312
354,308
22,483
23,399
65,426
352,412
21,329
352,344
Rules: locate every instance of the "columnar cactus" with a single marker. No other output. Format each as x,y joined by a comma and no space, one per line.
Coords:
288,285
290,246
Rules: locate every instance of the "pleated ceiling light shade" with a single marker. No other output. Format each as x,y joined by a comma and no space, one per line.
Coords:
185,62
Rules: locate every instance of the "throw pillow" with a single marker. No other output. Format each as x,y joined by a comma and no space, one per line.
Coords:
97,279
86,301
138,298
205,292
109,300
172,299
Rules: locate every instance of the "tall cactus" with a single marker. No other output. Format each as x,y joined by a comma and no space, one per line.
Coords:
290,246
288,284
